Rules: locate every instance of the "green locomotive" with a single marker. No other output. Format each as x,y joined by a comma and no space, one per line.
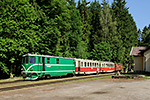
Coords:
39,66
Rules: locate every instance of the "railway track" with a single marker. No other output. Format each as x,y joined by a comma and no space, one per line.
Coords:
8,82
47,83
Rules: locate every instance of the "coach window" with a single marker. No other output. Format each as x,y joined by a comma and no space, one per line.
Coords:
107,65
111,65
81,64
88,64
57,61
95,64
103,65
85,64
32,59
48,60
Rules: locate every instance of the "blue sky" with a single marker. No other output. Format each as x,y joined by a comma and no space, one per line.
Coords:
139,9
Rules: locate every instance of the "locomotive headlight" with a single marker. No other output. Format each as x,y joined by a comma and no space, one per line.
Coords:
31,69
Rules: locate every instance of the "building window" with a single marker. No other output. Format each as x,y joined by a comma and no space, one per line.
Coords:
32,59
48,60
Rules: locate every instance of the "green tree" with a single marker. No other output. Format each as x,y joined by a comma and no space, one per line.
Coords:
139,37
102,52
96,34
75,38
56,26
126,28
83,9
18,33
146,36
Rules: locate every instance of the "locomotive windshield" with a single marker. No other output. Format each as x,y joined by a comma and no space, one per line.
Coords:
32,59
28,59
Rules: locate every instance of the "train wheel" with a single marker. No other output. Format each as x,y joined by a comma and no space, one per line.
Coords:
47,76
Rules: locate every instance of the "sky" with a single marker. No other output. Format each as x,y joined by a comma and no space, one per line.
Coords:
139,9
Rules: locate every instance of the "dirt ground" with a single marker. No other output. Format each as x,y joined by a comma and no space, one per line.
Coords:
101,89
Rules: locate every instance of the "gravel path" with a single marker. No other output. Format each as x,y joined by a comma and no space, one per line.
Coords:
102,89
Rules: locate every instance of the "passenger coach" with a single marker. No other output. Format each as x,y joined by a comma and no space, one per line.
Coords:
83,66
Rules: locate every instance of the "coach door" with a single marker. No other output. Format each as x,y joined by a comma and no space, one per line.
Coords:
78,66
43,61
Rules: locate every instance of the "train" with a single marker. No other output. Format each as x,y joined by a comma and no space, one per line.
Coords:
36,66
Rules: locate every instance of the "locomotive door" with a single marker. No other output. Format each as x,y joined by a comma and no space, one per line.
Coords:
43,61
78,66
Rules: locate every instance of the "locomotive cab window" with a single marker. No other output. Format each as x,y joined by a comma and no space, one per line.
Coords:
39,60
48,60
32,59
57,61
27,58
23,60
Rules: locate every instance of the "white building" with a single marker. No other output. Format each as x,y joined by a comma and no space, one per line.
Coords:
141,58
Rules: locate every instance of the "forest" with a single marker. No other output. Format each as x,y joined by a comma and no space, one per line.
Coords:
87,30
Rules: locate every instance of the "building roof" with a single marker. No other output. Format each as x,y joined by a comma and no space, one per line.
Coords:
138,51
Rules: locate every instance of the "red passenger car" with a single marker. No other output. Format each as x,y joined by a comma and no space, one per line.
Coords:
107,66
83,66
118,67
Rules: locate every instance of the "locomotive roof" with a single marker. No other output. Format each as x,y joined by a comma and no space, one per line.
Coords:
28,54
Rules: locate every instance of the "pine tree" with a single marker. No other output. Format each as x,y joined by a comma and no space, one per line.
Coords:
57,26
102,52
146,36
75,38
126,28
95,37
83,9
18,33
139,37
